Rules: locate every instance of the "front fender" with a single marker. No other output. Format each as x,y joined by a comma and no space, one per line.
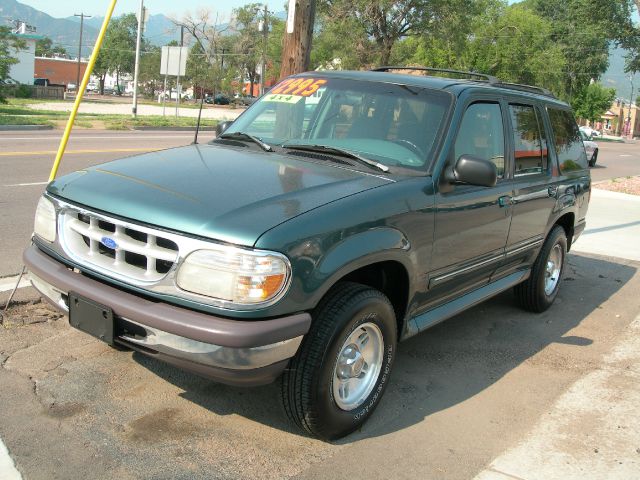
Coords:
316,276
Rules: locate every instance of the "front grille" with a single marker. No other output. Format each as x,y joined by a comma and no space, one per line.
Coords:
137,253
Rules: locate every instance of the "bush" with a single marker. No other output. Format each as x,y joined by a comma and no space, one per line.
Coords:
23,91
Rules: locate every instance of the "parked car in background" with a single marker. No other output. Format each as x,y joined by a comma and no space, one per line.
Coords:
590,132
219,99
244,100
590,147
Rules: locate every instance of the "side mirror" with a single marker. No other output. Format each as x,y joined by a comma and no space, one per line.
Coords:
473,171
222,126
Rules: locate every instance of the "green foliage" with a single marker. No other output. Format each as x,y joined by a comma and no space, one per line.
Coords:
584,30
45,48
117,54
386,22
512,43
9,45
22,91
592,101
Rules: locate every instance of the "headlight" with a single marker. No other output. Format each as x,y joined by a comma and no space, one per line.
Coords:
45,223
241,277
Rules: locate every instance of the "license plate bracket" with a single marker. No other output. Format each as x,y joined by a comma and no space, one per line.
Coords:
91,317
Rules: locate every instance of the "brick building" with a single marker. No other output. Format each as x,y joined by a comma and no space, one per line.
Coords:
59,71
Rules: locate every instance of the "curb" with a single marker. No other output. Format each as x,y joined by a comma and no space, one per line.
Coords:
8,128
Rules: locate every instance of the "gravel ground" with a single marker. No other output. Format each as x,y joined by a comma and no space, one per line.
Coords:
630,185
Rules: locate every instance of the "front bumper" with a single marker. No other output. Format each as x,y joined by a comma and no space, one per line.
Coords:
228,351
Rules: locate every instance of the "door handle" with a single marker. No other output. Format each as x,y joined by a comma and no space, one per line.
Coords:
552,191
505,201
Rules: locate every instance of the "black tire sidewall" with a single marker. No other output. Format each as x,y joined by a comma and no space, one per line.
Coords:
557,237
340,422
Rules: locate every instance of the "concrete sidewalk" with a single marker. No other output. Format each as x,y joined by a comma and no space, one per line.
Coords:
593,429
613,226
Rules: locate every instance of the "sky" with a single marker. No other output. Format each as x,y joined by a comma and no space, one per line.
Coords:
66,8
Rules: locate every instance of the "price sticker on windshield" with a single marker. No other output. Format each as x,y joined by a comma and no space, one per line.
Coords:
271,97
301,87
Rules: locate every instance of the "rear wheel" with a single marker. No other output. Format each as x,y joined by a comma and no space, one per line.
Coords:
538,292
341,370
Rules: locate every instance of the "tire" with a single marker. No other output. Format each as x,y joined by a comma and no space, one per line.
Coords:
538,292
594,159
313,394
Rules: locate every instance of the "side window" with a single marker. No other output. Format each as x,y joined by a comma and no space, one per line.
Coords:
569,147
529,151
481,134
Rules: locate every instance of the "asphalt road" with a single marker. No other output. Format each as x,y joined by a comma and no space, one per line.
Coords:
26,159
25,162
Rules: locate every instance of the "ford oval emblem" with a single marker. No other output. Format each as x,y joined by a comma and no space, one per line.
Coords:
109,243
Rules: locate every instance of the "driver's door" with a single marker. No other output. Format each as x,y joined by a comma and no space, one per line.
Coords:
472,222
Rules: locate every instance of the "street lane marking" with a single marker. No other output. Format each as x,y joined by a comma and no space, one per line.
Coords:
25,184
625,155
9,283
8,470
76,152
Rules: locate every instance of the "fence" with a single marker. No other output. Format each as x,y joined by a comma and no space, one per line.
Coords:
35,91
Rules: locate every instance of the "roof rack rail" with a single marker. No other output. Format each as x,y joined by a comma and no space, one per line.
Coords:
487,78
526,88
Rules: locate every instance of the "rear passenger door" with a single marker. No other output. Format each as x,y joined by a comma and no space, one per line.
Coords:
534,186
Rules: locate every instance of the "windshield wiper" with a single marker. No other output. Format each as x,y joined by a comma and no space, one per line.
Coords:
247,136
336,151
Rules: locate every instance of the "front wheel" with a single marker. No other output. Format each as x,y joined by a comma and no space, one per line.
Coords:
538,292
594,159
341,370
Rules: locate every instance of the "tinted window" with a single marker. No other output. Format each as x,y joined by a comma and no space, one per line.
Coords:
481,134
529,149
569,147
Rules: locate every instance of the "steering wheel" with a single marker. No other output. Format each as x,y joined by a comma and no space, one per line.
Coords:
411,146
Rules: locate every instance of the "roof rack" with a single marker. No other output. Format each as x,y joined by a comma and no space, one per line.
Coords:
525,88
481,76
487,78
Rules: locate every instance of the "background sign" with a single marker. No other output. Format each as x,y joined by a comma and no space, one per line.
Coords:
174,61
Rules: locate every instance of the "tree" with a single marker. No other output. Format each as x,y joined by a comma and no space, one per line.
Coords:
592,101
249,42
584,30
9,46
149,76
45,48
512,43
388,21
118,51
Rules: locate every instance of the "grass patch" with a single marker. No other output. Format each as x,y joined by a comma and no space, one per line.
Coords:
125,122
23,120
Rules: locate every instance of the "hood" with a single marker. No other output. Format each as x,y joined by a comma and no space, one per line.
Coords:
229,194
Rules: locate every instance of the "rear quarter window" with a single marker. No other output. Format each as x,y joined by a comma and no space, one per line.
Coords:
566,135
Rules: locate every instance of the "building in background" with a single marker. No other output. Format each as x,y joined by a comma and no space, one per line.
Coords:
23,71
58,71
621,120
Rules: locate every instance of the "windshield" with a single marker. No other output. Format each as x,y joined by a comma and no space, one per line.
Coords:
395,125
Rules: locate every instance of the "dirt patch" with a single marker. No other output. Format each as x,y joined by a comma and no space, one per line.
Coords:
630,185
28,313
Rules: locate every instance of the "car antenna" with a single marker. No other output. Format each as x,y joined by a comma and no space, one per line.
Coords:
195,138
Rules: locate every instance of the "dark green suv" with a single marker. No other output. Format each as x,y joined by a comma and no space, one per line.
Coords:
341,213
